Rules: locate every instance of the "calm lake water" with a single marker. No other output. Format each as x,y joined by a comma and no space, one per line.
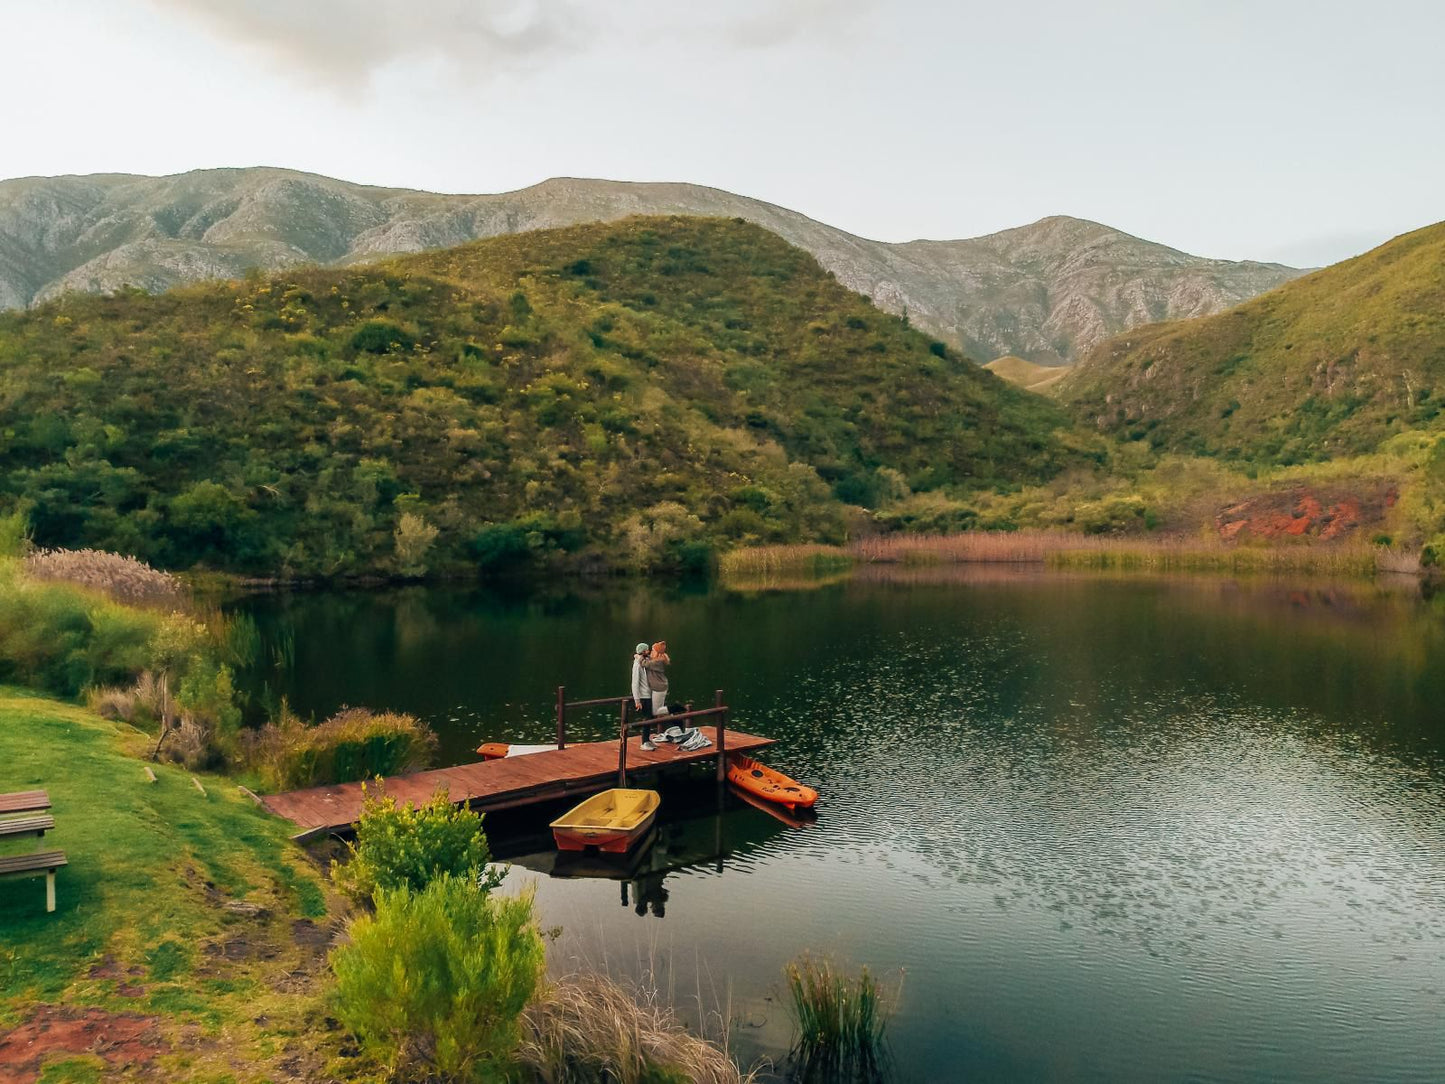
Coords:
1103,830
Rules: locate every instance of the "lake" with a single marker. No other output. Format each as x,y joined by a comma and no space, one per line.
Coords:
1097,829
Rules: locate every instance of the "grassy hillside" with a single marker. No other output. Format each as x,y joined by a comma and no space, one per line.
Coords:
1329,365
1027,374
642,391
186,924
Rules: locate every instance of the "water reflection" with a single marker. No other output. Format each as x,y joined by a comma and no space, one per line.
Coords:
698,828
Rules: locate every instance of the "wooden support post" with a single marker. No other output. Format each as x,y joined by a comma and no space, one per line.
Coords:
722,737
49,890
561,717
150,775
622,749
200,788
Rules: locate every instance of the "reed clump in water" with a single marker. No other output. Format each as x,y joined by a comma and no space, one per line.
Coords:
588,1029
841,1020
771,560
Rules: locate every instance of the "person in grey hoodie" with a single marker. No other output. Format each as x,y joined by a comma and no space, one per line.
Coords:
642,692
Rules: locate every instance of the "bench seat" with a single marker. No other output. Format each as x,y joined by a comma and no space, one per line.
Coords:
27,826
42,861
24,801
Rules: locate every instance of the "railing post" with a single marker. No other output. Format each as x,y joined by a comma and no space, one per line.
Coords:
561,717
722,737
622,750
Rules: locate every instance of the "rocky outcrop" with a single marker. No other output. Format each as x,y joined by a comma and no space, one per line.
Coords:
1047,292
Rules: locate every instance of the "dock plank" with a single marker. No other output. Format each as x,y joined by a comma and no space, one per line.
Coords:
501,784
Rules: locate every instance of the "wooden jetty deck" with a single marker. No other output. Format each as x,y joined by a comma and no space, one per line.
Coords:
502,784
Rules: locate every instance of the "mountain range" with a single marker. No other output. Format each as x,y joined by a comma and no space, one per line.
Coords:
1047,292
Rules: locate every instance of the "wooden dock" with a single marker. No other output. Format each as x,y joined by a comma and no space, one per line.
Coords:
577,769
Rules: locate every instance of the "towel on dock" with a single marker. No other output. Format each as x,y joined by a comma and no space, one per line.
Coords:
688,739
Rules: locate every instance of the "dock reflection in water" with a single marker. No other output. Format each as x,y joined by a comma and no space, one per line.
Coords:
695,831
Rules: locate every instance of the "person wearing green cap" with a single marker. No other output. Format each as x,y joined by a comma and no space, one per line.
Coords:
642,692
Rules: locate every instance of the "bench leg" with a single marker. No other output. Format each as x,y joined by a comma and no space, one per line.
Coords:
50,890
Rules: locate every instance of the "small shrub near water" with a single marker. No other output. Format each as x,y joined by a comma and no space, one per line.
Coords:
841,1022
409,847
351,745
434,983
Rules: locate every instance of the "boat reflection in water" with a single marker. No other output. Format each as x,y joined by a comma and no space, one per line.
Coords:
693,830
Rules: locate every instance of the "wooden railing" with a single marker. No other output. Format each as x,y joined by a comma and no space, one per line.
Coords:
718,711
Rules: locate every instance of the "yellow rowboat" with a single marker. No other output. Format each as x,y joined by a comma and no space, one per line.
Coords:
611,821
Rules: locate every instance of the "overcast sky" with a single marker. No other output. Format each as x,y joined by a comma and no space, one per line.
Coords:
1295,130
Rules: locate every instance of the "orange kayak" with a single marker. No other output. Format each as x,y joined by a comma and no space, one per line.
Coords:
769,784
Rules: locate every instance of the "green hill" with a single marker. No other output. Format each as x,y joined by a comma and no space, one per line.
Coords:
1328,365
1027,374
636,392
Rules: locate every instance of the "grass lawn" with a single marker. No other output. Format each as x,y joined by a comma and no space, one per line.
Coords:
189,933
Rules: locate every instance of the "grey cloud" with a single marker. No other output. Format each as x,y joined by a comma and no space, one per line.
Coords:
345,40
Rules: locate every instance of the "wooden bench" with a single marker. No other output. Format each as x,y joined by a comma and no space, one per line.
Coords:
27,826
45,861
24,801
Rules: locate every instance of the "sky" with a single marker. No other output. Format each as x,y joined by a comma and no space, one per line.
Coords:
1303,131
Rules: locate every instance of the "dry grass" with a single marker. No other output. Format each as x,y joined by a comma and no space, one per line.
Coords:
587,1029
983,546
123,579
353,744
776,565
772,560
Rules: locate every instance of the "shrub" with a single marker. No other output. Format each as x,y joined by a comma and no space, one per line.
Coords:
414,537
841,1021
381,337
351,745
409,847
434,983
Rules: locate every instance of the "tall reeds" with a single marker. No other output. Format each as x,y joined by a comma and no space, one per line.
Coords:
772,560
841,1022
586,1029
122,579
1060,549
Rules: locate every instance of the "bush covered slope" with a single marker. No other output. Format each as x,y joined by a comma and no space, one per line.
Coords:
1329,365
641,390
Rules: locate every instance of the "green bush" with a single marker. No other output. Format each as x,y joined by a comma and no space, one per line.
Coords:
409,847
351,745
381,337
434,984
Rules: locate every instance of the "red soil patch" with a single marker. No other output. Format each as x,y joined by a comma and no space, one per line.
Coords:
121,1039
1303,513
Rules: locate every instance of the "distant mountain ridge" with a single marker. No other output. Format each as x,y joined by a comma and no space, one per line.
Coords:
1047,292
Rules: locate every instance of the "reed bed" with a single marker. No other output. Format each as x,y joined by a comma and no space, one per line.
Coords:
842,1022
1002,547
122,579
773,560
589,1030
1164,555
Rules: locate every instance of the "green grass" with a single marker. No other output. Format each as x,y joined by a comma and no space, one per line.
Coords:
841,1022
1328,365
140,903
